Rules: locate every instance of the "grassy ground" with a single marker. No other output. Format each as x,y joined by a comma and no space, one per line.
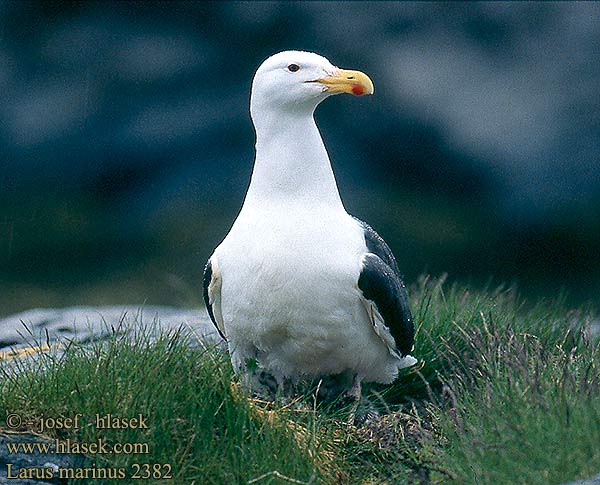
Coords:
506,392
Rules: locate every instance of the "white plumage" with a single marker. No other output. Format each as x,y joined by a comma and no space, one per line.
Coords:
283,286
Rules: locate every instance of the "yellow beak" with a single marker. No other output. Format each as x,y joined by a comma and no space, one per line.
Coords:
351,82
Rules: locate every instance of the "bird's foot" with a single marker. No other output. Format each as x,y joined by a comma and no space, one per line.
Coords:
365,413
361,410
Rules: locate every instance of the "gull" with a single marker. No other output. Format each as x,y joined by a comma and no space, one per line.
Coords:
299,288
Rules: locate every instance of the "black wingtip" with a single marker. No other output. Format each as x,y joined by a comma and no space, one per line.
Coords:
205,285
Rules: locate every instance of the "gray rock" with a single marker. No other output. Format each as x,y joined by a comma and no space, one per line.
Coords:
12,481
31,460
595,480
57,327
86,323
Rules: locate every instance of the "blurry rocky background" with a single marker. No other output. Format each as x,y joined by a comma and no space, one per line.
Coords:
126,145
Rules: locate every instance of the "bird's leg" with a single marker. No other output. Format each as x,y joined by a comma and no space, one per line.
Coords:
354,393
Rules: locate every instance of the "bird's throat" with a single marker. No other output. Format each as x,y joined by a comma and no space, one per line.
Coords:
292,163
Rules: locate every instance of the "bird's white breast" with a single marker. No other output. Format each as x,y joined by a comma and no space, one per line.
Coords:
290,296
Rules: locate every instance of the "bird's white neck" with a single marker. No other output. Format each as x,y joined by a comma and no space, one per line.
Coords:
291,163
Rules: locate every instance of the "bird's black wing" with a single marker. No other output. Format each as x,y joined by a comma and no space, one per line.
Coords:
211,284
377,246
381,284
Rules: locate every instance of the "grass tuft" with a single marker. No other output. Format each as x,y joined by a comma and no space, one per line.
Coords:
506,391
198,422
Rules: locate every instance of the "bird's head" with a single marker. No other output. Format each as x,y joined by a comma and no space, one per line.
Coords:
298,81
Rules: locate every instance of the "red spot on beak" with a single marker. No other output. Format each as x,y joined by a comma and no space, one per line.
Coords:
358,90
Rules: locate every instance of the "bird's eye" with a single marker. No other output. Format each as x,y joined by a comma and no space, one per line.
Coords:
293,67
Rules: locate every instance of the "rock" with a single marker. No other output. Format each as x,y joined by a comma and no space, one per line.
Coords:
13,481
53,327
34,460
595,480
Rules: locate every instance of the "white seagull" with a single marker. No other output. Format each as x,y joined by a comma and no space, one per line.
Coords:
299,288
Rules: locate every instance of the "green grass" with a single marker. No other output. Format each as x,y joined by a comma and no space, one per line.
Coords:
507,391
198,422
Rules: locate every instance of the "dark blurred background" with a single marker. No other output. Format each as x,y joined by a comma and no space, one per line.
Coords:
126,145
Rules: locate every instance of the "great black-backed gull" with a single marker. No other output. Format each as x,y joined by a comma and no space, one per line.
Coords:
299,288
